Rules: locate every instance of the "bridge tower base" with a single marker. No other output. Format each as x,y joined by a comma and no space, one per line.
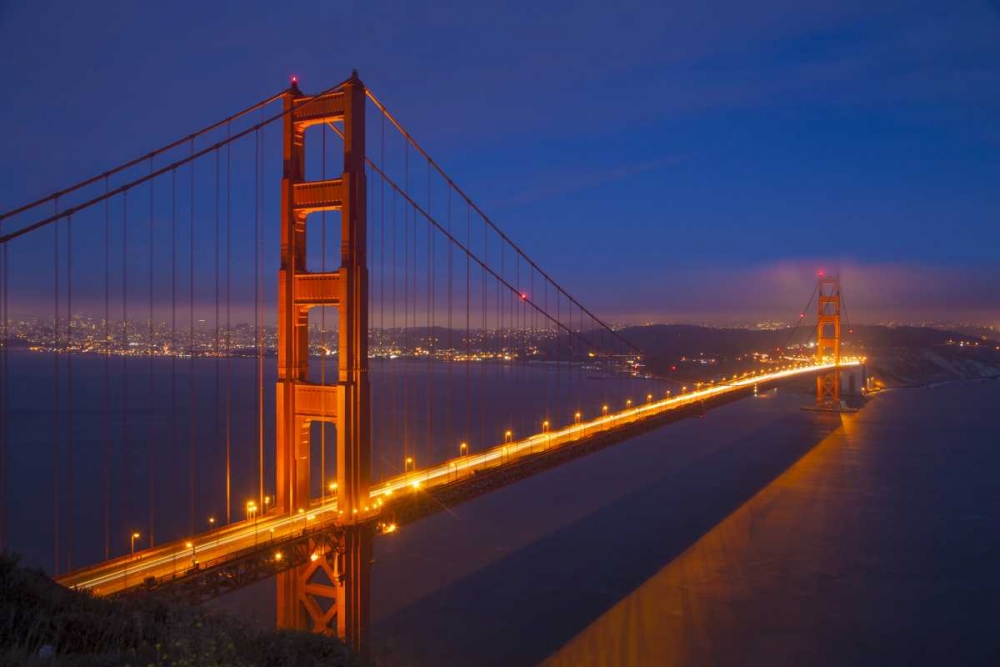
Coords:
330,593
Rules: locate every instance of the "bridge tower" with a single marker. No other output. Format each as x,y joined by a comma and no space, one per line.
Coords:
828,341
329,594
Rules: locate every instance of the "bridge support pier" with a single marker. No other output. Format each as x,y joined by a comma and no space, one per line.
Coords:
330,593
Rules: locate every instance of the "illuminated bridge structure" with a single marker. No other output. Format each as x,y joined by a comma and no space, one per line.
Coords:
414,280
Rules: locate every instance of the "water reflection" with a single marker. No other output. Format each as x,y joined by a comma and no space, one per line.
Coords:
871,548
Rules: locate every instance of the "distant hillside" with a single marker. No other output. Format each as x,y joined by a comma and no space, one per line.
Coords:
899,355
38,616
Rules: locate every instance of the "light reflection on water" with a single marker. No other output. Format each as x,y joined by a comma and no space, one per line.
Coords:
869,549
734,539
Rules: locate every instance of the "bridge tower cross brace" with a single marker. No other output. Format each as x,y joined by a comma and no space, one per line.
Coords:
828,341
340,602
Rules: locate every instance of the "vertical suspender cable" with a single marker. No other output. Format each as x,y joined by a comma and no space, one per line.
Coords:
175,439
406,315
192,470
70,505
451,346
484,306
107,374
381,269
217,414
430,330
258,196
151,404
468,327
55,398
126,464
229,333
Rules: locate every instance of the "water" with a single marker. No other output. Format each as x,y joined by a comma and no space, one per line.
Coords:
760,533
165,421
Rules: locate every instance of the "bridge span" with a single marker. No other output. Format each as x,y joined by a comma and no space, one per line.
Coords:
261,546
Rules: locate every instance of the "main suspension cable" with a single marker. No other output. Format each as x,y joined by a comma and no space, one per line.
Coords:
139,160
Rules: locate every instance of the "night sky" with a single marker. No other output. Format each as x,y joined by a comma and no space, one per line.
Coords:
666,161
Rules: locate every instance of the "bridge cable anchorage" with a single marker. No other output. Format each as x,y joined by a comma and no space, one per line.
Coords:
492,272
451,183
139,160
159,172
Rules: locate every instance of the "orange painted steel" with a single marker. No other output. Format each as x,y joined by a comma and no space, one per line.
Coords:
828,341
330,593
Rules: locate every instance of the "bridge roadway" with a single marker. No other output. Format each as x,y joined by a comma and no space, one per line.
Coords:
175,559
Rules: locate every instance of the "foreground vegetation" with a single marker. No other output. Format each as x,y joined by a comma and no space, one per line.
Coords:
42,623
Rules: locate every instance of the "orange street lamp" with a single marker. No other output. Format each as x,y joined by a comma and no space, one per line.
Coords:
408,464
508,436
649,398
463,448
576,417
628,403
604,408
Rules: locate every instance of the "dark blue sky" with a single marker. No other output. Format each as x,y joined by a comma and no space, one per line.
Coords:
665,160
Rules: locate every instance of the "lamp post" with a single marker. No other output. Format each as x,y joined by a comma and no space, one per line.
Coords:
408,464
252,514
463,449
576,417
131,554
545,430
211,528
508,436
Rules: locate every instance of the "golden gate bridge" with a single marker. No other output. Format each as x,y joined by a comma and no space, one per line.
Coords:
166,251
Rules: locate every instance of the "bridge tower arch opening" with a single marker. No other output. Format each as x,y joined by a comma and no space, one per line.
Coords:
330,593
828,341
